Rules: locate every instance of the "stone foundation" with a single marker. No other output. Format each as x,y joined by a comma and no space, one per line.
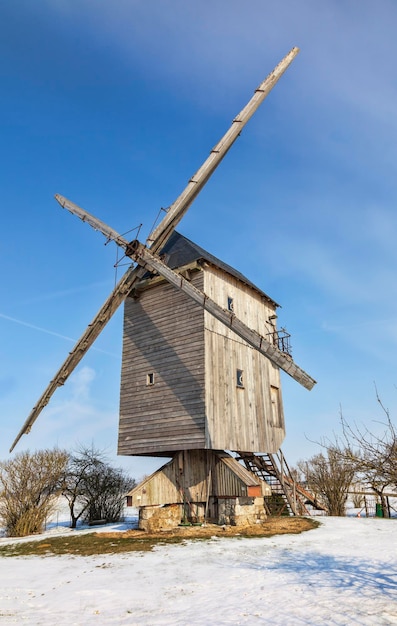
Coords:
238,511
155,518
241,511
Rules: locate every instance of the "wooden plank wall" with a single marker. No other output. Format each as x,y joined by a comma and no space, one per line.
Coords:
163,335
249,418
192,476
195,401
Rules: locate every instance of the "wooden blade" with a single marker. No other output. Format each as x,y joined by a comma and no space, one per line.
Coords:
156,240
117,296
177,210
96,224
254,339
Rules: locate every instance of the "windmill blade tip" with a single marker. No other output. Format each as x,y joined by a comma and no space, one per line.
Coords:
59,199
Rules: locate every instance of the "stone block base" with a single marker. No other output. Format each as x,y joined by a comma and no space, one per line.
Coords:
241,511
155,518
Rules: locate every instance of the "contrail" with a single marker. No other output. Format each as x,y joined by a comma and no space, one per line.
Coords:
53,295
49,332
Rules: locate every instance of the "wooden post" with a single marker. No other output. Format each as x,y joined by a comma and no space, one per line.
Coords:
208,494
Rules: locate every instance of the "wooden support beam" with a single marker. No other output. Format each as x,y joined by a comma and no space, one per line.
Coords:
156,241
144,257
178,209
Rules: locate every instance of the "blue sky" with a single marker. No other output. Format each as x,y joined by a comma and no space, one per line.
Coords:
115,105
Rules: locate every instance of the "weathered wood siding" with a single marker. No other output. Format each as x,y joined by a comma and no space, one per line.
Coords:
249,417
163,336
193,476
195,401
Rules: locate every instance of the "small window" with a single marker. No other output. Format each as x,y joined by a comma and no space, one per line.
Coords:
230,305
150,378
239,379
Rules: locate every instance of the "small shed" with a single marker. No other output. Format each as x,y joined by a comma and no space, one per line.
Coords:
197,486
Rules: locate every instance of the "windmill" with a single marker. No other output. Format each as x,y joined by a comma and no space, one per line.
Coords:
200,375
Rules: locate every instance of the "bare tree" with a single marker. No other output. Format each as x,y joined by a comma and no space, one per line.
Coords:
374,457
29,486
95,490
106,491
80,465
329,476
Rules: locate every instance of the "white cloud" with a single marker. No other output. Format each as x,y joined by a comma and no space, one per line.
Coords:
80,383
74,415
230,37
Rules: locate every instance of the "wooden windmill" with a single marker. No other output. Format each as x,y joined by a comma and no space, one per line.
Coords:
201,356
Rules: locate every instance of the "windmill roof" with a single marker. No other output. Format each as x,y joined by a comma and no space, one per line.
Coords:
180,250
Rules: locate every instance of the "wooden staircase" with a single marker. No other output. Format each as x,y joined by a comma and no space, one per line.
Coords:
288,497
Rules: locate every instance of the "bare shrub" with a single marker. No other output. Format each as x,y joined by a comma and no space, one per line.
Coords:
29,486
329,477
357,497
373,456
94,489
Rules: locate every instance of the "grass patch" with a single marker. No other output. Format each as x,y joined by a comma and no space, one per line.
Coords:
89,544
84,545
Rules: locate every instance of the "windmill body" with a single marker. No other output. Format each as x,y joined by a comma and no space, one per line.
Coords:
201,361
188,381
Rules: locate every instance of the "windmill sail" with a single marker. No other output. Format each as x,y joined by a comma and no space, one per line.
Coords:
254,339
156,240
146,259
84,343
177,210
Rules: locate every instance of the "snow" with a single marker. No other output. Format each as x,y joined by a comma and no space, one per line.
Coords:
344,572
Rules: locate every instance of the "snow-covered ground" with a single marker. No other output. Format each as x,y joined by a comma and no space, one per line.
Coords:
344,572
